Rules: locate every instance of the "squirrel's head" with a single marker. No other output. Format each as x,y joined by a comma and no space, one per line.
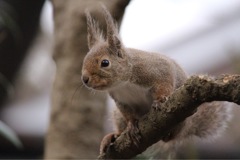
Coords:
105,63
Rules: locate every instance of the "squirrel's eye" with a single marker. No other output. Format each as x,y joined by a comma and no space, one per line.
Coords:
105,63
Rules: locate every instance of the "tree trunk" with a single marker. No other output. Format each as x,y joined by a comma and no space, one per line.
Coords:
77,114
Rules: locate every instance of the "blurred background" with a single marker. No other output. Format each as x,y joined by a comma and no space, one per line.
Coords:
202,36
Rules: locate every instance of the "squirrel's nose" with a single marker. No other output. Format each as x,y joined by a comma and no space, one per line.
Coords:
85,79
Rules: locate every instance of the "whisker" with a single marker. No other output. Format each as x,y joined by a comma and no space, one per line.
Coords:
80,86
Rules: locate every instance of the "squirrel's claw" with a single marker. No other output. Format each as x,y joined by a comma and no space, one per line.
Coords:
156,103
107,142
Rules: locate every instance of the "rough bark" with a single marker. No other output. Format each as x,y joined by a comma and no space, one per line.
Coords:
181,104
76,124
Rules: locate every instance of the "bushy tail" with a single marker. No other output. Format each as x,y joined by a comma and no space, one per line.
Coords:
208,122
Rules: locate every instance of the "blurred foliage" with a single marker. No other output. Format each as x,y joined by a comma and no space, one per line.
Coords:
10,135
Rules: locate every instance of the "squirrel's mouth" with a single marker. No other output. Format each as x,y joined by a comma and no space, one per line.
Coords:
96,87
99,87
95,84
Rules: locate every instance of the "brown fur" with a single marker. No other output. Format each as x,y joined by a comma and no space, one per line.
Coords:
136,79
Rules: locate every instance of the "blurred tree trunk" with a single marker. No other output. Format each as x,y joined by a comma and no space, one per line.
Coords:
76,124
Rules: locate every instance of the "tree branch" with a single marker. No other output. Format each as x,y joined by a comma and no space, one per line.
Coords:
180,105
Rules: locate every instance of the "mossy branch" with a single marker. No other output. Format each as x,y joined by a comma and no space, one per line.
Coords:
180,105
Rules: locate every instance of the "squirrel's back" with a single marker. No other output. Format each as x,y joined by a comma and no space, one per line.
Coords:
152,66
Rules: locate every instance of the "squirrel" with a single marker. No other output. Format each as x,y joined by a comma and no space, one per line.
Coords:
136,80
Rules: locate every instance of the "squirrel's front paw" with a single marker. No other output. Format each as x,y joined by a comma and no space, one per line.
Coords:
157,103
133,132
107,142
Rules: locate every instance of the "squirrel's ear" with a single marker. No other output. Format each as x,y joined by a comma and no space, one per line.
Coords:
113,39
115,45
94,34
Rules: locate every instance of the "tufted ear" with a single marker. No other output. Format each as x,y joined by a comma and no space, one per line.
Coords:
94,34
113,38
